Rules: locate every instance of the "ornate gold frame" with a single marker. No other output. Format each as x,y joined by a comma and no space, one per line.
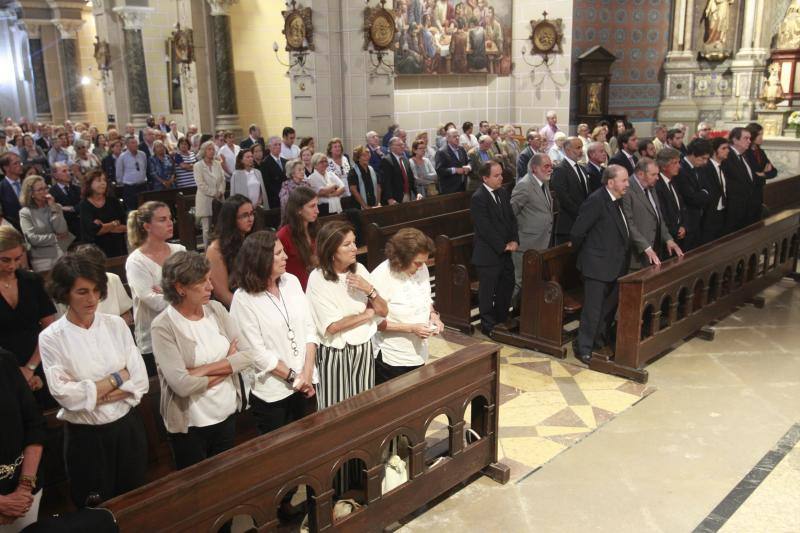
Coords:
182,43
298,28
379,28
546,36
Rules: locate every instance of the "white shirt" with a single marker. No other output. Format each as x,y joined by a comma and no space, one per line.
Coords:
73,358
218,402
229,155
721,176
253,186
470,140
290,152
409,301
262,324
331,301
668,182
143,274
317,181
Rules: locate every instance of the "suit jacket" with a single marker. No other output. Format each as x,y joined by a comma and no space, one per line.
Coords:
622,160
476,162
688,185
109,164
595,176
534,213
248,143
757,161
522,162
709,180
601,239
495,226
744,201
674,215
571,194
9,202
645,225
44,144
446,160
72,196
274,176
390,177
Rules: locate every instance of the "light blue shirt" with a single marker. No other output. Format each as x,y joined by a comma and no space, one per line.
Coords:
132,170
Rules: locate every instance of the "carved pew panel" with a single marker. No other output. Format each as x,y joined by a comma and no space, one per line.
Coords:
455,278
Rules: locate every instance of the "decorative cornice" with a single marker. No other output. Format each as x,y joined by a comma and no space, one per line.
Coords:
34,27
133,17
220,7
68,28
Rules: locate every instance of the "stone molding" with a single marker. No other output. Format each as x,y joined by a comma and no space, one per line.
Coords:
220,7
67,28
133,17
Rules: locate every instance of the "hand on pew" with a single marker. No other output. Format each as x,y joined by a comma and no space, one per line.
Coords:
511,246
652,256
674,249
423,331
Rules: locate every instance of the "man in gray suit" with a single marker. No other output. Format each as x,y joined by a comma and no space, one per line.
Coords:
642,211
532,205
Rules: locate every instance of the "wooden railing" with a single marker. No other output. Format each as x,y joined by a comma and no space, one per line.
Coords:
253,478
660,306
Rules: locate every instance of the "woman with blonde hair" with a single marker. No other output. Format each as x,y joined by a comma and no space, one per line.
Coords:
210,180
149,229
338,162
247,180
43,225
599,134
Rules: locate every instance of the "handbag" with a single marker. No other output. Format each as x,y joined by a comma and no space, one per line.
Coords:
395,474
341,509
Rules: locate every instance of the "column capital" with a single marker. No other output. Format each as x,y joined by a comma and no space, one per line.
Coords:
68,28
220,7
34,27
133,17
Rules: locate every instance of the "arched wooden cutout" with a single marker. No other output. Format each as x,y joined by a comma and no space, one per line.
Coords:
665,320
738,276
700,293
437,439
752,265
727,277
713,287
684,302
647,322
475,418
784,250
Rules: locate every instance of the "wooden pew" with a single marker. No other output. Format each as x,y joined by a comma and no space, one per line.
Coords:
661,306
551,295
252,478
434,205
168,196
185,223
159,455
454,223
456,281
782,194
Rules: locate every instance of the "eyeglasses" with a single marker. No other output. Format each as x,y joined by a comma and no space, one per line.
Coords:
137,166
245,216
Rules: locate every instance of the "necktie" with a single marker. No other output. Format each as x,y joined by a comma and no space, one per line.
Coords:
720,178
405,175
582,179
652,202
547,195
674,195
16,186
622,216
746,166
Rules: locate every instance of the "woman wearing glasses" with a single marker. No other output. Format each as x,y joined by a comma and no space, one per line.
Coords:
235,222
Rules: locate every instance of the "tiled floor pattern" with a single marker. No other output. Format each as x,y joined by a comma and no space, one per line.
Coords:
546,405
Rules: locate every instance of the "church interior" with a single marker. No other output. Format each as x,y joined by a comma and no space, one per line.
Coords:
682,416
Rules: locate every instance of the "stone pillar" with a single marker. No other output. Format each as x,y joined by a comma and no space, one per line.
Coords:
221,49
41,96
189,85
104,27
679,68
748,65
69,56
133,18
16,79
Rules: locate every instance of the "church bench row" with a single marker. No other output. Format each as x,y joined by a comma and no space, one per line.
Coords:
252,478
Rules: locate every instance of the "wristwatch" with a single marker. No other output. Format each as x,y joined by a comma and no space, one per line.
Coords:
31,367
290,378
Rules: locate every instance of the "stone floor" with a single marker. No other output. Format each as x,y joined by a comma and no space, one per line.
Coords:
713,448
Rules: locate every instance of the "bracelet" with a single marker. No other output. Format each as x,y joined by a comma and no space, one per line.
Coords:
291,377
28,481
117,379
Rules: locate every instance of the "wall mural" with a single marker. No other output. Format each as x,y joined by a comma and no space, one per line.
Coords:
453,37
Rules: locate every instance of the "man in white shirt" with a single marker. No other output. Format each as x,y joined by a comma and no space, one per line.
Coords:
289,150
597,158
549,130
228,153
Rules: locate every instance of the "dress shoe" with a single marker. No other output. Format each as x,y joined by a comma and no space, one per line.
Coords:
583,358
486,331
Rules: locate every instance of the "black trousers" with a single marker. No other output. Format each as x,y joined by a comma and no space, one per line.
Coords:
274,415
130,195
599,306
384,372
150,364
108,459
494,292
561,238
200,443
713,226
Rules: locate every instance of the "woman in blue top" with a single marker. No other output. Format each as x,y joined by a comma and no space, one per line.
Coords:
162,167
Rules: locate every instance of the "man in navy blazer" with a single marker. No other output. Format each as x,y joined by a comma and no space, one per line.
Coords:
495,239
602,239
68,196
10,187
452,165
626,157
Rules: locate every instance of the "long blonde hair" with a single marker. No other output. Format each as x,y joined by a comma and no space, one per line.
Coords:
10,238
26,192
138,218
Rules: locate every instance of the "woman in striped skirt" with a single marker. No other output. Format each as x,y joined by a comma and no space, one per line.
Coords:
346,310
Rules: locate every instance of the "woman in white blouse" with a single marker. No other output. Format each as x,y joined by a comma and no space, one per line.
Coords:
327,185
247,180
339,164
210,180
404,282
149,229
199,354
95,372
344,305
273,315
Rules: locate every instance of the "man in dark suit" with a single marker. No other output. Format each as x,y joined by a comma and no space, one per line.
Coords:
712,179
602,239
254,137
744,206
274,168
10,187
596,159
571,186
695,198
627,141
452,165
146,145
44,141
534,139
495,240
672,204
395,175
675,139
68,195
109,162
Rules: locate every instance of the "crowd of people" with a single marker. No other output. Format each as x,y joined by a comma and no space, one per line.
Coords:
286,322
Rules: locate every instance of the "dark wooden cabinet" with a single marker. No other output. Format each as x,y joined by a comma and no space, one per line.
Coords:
594,77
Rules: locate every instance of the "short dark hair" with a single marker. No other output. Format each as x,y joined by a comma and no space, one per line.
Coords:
254,261
699,147
5,160
755,129
624,137
92,252
91,176
716,142
288,130
673,132
486,169
68,269
405,245
641,146
329,239
666,155
736,133
184,267
466,126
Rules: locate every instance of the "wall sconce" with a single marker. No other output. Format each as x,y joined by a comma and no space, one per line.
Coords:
296,67
298,29
379,38
546,36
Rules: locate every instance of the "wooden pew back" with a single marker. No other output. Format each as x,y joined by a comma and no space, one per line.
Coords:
434,205
253,478
782,194
186,225
660,306
454,279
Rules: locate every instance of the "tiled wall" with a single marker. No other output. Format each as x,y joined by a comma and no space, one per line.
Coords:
424,102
